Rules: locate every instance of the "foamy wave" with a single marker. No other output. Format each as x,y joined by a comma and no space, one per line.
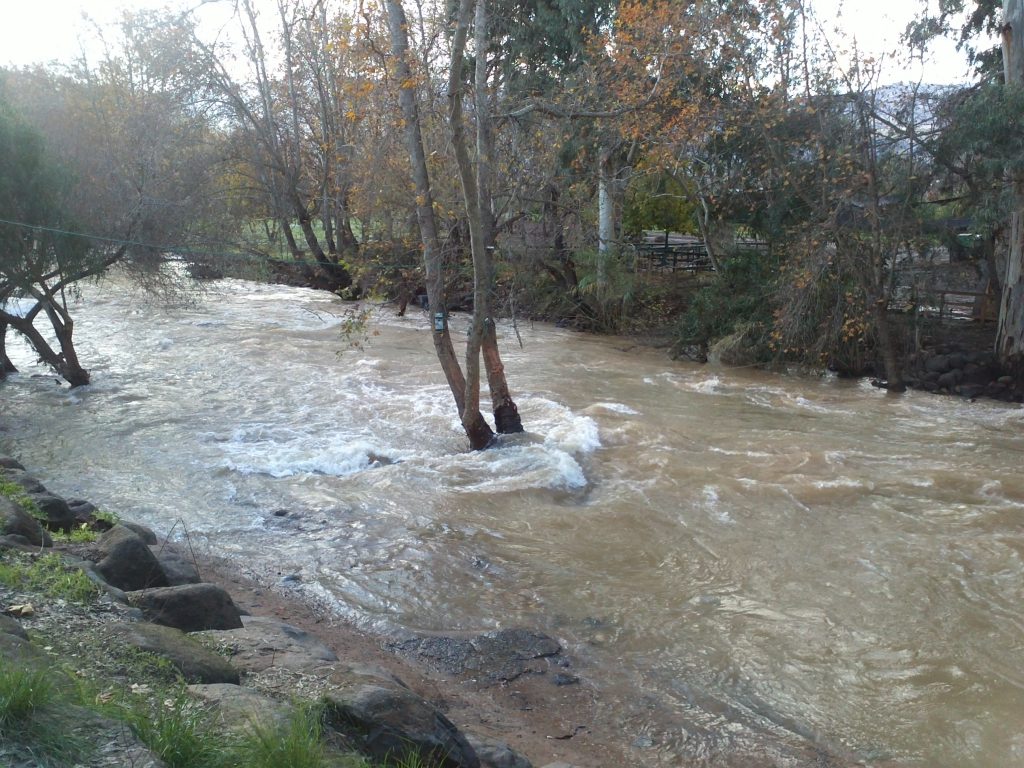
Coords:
298,455
516,468
615,408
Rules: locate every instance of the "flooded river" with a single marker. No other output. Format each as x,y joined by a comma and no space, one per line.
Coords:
745,564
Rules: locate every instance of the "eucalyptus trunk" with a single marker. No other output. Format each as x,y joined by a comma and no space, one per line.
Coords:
477,429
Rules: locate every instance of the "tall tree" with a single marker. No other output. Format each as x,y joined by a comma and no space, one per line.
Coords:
1010,337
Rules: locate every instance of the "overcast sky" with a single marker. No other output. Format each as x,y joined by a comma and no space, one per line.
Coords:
45,30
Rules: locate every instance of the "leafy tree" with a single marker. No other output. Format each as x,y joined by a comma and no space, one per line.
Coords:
39,260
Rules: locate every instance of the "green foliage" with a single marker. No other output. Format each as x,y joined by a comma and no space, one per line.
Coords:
739,295
296,744
17,494
49,575
23,691
180,733
657,201
607,288
83,534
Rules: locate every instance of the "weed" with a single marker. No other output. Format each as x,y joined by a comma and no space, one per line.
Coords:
81,535
296,744
50,576
22,692
17,494
174,730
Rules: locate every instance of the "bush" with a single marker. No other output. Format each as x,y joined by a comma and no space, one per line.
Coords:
739,297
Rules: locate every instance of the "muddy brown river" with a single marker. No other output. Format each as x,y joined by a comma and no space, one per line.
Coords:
744,564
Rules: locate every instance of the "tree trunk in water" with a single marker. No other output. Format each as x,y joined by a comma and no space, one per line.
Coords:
65,364
470,195
1010,336
506,414
6,366
893,374
477,430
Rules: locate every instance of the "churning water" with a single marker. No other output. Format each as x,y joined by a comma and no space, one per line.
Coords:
746,564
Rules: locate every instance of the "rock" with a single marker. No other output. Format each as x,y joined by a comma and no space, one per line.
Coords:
16,649
956,360
241,710
386,722
56,512
262,642
501,655
128,564
564,678
195,662
937,364
559,764
950,379
190,607
15,521
6,462
176,568
83,510
19,477
11,626
496,754
971,391
144,533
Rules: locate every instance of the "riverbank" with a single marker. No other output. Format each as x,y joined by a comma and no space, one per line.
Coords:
520,697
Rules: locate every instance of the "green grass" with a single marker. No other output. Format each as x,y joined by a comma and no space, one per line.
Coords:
17,494
49,575
83,534
176,731
22,693
296,744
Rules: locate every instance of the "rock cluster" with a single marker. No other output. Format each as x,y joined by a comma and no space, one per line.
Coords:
951,370
178,617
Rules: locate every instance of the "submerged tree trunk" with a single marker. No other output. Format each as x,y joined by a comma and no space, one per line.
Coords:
64,363
506,413
477,429
1010,336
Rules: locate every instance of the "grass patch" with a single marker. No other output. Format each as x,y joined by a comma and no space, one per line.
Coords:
49,575
176,731
32,726
17,494
22,692
83,534
297,744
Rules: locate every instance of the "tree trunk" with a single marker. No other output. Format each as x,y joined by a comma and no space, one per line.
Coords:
605,210
65,364
1010,336
6,366
471,199
506,414
883,332
476,427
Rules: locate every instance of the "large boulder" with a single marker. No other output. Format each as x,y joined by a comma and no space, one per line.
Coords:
387,722
178,569
194,662
6,462
190,607
242,710
11,626
143,532
264,642
128,563
56,514
15,521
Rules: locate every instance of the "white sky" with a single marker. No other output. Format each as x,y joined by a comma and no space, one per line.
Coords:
33,31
